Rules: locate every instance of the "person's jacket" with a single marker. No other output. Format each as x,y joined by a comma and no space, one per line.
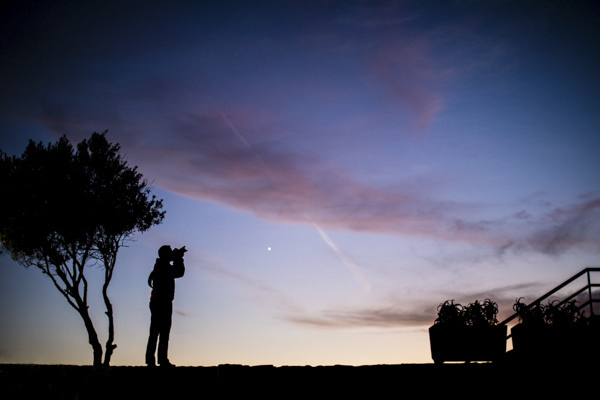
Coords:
162,279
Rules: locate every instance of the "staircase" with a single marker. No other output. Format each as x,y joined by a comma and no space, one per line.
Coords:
587,288
544,342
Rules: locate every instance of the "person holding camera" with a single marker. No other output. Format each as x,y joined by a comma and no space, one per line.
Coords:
169,266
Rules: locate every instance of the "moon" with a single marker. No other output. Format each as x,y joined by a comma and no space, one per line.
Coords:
268,248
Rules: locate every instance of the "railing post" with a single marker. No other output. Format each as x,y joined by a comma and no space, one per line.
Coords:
589,273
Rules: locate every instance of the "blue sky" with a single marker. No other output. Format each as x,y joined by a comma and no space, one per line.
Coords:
336,168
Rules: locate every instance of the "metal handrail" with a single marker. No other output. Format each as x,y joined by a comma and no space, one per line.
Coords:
589,287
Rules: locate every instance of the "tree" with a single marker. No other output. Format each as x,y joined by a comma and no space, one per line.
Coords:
64,209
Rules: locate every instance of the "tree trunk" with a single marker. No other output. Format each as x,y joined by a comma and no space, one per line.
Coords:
92,336
110,346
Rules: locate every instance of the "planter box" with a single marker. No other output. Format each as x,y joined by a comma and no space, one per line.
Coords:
467,343
545,342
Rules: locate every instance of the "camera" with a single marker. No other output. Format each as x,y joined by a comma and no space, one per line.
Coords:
178,253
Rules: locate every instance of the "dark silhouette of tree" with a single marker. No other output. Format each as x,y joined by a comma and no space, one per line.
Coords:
63,209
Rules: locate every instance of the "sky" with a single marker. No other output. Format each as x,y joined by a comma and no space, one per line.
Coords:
336,169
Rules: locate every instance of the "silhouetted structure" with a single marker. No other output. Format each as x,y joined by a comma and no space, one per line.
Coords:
553,334
162,282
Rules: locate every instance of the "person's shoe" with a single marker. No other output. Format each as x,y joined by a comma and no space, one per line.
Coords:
167,364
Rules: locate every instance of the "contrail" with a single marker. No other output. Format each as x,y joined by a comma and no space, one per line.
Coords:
239,135
358,276
349,263
266,169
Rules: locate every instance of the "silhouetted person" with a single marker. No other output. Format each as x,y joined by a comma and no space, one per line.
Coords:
162,282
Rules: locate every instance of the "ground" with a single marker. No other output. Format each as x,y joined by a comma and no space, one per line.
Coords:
467,380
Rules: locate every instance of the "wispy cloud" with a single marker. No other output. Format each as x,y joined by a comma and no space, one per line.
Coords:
257,289
370,318
239,139
417,314
204,159
406,70
575,224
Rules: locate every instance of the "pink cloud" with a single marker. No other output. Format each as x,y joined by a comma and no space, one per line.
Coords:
192,148
205,159
405,68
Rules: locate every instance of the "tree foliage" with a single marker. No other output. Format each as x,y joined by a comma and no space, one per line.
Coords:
64,208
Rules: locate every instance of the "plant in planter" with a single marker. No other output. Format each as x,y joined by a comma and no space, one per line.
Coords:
469,333
565,314
450,314
481,314
530,315
553,331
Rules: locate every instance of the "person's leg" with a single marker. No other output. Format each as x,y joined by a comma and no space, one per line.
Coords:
153,336
165,331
